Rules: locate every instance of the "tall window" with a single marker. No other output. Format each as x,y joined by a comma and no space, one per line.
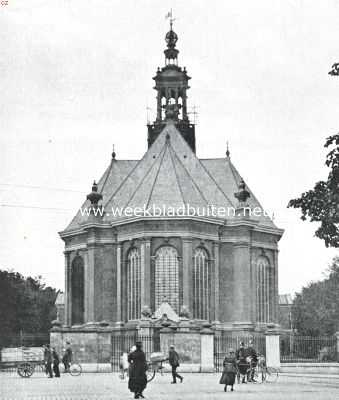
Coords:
264,282
167,277
77,287
133,284
201,285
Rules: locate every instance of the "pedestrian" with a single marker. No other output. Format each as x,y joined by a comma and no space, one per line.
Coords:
137,381
123,364
242,364
173,359
48,361
251,354
230,370
67,357
56,362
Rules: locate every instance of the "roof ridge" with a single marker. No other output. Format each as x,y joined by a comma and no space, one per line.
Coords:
233,169
218,186
176,173
125,179
144,177
191,177
108,170
157,174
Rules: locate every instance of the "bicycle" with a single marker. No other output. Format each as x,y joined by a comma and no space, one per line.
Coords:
74,369
259,372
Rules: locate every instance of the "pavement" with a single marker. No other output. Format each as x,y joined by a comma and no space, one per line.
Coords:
106,386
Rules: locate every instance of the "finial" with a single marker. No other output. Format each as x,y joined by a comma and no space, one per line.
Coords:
228,153
335,70
94,197
243,194
113,153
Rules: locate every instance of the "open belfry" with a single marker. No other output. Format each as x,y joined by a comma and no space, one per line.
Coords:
149,268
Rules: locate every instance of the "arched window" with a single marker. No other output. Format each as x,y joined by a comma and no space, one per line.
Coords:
201,285
133,284
77,290
264,282
167,277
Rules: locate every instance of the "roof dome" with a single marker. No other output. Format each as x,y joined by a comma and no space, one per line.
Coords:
171,39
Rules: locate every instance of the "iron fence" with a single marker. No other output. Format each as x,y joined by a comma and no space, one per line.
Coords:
122,342
225,341
295,348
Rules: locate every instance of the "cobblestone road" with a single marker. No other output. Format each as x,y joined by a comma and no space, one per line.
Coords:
195,386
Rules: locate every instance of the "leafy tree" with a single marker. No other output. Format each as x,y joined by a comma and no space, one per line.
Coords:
315,310
322,203
26,304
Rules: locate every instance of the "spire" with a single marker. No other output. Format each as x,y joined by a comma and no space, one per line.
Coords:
113,153
171,38
171,84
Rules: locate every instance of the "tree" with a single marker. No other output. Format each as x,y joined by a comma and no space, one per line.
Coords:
322,203
26,304
315,310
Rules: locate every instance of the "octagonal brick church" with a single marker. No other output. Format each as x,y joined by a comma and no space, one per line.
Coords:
187,260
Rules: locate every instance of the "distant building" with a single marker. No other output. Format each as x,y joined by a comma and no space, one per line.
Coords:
285,311
60,307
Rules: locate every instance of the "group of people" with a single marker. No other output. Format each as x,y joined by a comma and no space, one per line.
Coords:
241,363
52,360
138,367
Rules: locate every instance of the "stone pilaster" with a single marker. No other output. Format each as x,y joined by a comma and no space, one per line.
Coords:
119,284
68,289
275,288
242,286
108,281
215,287
90,282
187,273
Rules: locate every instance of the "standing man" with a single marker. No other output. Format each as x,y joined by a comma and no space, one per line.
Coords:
48,361
173,359
242,364
67,357
252,354
56,362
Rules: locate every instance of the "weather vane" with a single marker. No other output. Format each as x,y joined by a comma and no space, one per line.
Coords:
170,16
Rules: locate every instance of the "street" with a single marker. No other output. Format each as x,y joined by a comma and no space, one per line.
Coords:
195,386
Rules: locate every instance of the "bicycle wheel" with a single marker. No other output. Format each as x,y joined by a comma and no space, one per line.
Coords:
25,370
271,374
150,374
75,369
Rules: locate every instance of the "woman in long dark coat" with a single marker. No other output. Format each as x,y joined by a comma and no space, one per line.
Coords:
137,372
230,371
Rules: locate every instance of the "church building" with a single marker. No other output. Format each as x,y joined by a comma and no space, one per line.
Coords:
171,233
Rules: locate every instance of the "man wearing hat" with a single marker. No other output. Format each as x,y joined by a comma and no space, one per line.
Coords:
173,359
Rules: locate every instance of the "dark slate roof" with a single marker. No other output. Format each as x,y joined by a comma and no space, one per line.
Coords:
170,175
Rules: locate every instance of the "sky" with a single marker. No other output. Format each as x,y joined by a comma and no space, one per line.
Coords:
76,78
